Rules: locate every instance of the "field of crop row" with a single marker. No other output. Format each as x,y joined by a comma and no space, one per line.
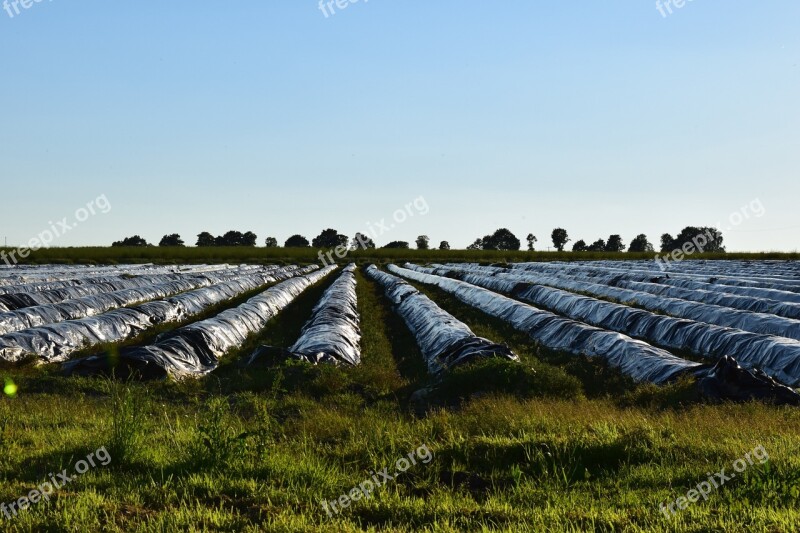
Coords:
546,395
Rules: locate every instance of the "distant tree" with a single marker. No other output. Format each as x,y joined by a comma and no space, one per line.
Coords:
362,241
231,238
131,241
398,244
614,244
502,239
597,246
171,240
271,242
423,242
560,238
296,241
477,245
640,244
579,246
666,242
329,238
531,238
249,239
206,239
444,245
697,239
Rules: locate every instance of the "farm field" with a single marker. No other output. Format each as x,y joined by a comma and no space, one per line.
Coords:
448,392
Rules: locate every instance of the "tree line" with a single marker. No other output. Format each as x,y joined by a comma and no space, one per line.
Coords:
501,239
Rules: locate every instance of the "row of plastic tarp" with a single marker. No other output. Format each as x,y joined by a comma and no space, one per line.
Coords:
444,341
195,349
56,342
86,278
711,314
332,334
40,315
777,271
739,297
637,359
778,356
12,275
91,286
713,278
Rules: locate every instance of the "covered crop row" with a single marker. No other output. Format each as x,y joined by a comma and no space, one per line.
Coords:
56,342
195,349
637,359
778,356
712,278
444,341
711,314
332,334
783,303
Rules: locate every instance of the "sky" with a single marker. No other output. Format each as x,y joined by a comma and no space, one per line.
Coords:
278,118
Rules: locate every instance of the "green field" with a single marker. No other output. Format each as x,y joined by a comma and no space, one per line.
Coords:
556,444
214,254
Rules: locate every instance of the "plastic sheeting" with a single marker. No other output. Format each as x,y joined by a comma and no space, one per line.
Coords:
771,301
56,342
444,341
194,350
778,356
332,335
642,362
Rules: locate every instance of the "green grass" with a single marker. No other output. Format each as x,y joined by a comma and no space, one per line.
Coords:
564,444
170,255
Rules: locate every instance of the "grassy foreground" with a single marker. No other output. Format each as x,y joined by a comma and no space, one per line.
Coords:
571,446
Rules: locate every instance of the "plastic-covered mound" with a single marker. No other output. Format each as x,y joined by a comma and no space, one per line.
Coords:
55,342
332,334
727,380
724,381
194,350
778,356
444,341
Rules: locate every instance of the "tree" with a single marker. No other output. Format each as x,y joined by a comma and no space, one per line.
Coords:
330,238
579,246
531,238
296,241
363,242
666,242
171,240
695,239
444,245
398,244
249,239
423,242
205,239
271,242
597,246
131,241
614,244
640,244
502,239
560,238
231,238
477,245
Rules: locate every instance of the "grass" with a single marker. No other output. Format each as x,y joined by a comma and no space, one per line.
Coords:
176,255
557,443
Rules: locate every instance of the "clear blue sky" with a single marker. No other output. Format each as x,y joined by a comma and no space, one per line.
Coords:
600,117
